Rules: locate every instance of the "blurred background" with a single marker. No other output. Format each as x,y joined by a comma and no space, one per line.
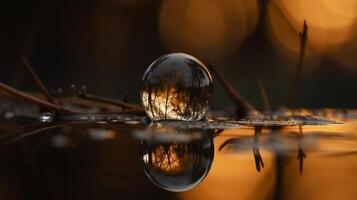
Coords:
107,45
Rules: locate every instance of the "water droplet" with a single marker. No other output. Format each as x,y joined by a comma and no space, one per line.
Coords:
178,87
176,166
46,117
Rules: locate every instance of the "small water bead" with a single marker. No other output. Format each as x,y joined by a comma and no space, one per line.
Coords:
176,86
46,117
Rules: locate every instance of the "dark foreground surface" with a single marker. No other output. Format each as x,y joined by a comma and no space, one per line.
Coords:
98,161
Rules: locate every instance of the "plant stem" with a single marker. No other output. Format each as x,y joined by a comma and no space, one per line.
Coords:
243,107
35,100
38,81
303,41
264,95
110,101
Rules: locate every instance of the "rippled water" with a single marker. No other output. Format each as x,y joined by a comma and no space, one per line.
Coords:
119,157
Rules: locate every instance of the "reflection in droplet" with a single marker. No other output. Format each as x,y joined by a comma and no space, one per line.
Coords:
176,86
177,166
46,117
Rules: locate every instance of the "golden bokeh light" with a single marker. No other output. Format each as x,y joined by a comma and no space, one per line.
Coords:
282,34
327,28
342,7
233,175
167,103
208,28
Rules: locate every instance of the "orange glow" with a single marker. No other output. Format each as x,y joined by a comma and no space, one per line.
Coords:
342,7
282,33
324,177
207,27
233,176
327,28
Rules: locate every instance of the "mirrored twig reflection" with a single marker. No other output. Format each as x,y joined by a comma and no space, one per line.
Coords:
301,154
277,143
257,157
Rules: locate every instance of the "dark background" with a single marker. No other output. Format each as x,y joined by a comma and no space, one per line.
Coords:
107,45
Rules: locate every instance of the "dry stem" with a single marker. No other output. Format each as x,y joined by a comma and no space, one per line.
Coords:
110,101
35,100
243,107
38,81
303,41
264,95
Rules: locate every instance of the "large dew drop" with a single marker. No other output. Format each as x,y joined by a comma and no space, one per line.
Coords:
176,86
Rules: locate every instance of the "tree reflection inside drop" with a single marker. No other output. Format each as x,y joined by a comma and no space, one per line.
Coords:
177,166
176,86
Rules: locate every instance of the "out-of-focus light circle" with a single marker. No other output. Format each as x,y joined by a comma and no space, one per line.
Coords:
342,7
209,28
327,29
282,34
345,55
286,40
251,13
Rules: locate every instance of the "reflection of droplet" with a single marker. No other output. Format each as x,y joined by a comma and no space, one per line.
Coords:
46,117
176,86
178,166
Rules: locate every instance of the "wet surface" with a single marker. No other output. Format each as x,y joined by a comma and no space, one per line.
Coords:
121,157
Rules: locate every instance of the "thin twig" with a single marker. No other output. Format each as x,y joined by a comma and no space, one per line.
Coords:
35,100
242,105
30,40
303,41
82,103
110,101
264,95
38,80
